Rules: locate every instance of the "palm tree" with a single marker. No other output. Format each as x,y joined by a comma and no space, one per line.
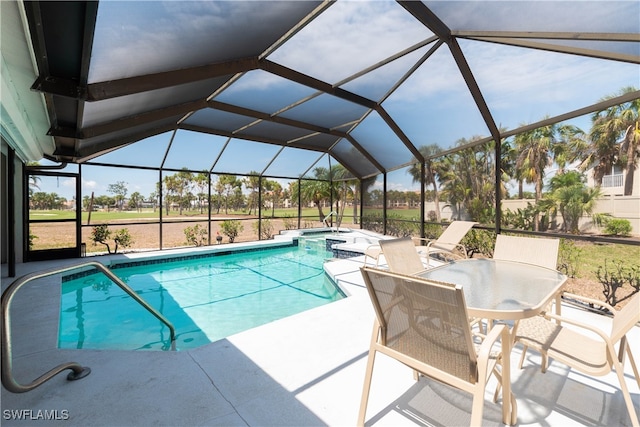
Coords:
573,198
609,126
317,190
345,189
571,142
432,169
536,147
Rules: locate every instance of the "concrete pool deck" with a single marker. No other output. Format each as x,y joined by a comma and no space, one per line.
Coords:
304,370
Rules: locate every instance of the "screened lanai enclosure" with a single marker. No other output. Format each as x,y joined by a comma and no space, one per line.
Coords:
183,121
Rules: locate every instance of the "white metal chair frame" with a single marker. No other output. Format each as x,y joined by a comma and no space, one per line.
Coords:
583,351
482,361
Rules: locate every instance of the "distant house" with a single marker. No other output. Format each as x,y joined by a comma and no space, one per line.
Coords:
613,182
613,200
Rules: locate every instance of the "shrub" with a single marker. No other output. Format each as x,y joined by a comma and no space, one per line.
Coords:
613,226
32,237
432,231
123,238
101,233
479,242
196,235
617,227
568,257
267,229
289,223
231,228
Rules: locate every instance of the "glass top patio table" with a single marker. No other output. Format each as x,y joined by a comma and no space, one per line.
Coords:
501,290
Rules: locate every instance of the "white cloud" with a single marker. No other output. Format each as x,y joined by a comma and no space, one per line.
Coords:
69,183
90,185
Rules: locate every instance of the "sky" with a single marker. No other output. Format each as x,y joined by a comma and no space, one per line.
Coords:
433,106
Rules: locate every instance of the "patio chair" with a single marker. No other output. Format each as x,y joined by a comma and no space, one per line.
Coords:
401,256
585,347
538,251
448,243
440,345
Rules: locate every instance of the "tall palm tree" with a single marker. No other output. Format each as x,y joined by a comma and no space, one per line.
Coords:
318,190
345,188
615,140
432,169
569,145
536,148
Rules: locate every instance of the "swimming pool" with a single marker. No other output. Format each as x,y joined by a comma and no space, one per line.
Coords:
207,298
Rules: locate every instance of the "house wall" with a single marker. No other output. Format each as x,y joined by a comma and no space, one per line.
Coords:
614,184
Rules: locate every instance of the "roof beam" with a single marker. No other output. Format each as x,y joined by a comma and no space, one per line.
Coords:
600,106
271,118
314,83
290,122
550,47
128,86
399,133
116,126
429,19
470,80
91,150
555,35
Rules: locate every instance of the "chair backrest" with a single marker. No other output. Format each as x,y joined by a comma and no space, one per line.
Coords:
401,255
424,320
532,250
626,318
453,234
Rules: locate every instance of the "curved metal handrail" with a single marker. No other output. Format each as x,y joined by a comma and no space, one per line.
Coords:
78,371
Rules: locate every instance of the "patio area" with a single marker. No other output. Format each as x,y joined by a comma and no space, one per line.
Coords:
303,370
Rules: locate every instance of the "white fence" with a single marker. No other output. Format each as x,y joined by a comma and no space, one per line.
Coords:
625,207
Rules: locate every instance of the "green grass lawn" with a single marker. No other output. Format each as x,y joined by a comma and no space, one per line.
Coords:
104,216
593,255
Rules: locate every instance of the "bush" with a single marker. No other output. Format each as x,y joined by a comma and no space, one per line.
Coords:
290,223
617,227
101,233
123,238
479,242
266,231
196,235
231,228
613,226
32,238
568,257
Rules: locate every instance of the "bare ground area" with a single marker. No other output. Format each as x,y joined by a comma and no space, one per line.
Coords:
146,237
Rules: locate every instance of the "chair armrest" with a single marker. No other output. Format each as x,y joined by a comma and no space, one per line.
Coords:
498,331
579,324
590,301
455,245
501,332
374,246
421,243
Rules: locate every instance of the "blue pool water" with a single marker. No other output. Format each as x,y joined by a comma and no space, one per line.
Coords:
206,299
